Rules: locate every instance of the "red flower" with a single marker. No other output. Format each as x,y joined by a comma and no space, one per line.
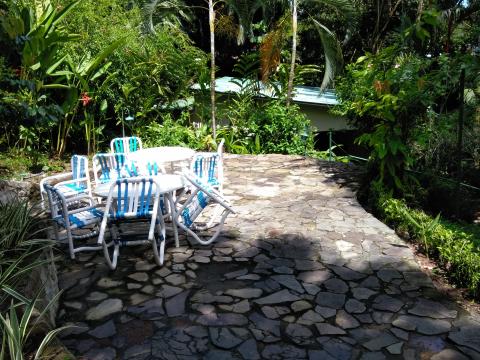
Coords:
85,99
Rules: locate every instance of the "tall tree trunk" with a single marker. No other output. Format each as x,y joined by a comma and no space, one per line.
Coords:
294,52
211,20
419,9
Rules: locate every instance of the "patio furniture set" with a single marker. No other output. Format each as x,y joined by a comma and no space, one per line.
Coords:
155,185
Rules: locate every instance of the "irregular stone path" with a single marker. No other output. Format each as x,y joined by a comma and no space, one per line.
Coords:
302,271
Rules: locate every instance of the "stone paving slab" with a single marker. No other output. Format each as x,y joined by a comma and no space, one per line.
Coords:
302,271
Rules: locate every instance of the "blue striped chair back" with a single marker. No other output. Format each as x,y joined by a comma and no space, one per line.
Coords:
126,144
205,167
135,198
153,168
79,166
110,167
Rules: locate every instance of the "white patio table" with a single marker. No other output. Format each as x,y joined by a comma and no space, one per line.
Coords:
169,184
160,155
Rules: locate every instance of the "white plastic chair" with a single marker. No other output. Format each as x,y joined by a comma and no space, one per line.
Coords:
71,184
133,199
208,166
71,214
200,197
109,167
126,144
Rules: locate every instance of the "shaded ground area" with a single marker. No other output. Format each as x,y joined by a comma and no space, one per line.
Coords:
302,271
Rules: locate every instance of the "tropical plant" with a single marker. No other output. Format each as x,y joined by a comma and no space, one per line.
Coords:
245,12
455,246
81,77
176,132
35,40
16,331
280,129
265,127
381,92
169,12
21,251
21,243
273,42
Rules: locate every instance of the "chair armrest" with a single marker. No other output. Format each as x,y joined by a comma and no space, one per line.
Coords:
79,197
210,192
66,182
70,212
51,178
218,198
59,176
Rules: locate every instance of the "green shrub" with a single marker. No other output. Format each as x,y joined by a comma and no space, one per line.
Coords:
176,133
268,128
454,246
280,128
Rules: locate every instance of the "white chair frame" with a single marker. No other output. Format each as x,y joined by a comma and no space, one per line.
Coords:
201,195
70,219
208,166
69,183
133,198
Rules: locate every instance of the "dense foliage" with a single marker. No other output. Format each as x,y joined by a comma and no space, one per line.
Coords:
417,110
453,246
72,71
96,67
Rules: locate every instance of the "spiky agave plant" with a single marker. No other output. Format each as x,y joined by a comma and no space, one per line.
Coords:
21,243
16,331
21,246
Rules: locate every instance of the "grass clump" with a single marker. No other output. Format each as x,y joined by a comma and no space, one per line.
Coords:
454,246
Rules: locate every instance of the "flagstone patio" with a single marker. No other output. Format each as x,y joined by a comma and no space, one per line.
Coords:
302,271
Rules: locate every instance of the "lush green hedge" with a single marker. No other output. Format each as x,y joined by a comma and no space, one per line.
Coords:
455,247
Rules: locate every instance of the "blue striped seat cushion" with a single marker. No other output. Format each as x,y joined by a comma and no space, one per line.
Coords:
82,218
194,208
71,189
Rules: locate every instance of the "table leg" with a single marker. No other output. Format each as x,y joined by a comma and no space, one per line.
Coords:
173,214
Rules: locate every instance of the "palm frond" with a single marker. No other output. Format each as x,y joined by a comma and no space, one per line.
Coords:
225,26
344,7
271,48
332,52
347,9
245,11
169,12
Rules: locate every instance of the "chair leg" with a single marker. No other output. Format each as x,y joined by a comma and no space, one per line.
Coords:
159,243
213,237
70,244
173,214
56,232
159,250
111,250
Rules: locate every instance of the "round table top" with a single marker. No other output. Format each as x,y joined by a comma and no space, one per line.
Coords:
168,183
162,154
